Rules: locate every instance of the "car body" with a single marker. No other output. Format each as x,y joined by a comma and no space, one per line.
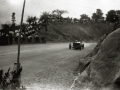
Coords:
76,45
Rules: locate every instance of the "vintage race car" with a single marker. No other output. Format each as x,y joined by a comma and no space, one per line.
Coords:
76,45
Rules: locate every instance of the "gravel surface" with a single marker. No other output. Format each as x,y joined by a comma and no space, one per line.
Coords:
47,66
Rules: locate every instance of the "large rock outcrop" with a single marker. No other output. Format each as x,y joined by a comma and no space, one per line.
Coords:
104,67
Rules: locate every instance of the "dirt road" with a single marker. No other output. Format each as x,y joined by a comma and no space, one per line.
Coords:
45,66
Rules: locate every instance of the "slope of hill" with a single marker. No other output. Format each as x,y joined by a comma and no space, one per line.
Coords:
103,67
71,31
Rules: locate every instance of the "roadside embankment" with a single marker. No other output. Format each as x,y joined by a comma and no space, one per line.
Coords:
100,70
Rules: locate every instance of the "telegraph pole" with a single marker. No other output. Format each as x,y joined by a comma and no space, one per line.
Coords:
19,38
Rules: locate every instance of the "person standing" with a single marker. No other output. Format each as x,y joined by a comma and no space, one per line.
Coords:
10,39
29,38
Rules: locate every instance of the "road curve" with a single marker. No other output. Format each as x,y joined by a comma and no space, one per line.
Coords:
47,66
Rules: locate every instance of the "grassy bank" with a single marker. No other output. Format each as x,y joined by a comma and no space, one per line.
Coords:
71,31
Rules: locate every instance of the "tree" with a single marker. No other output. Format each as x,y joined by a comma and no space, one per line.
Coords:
59,13
94,16
34,19
118,13
84,16
44,20
112,16
5,27
44,16
97,15
30,19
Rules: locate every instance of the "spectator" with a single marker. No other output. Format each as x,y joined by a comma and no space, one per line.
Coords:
10,38
29,38
36,38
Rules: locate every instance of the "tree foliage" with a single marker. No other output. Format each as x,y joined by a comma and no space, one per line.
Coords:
112,16
84,16
94,16
59,12
44,19
31,19
118,12
5,27
97,15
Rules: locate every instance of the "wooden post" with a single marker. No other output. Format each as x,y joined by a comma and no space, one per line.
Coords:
19,38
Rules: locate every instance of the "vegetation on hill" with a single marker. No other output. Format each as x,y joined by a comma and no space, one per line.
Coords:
72,31
52,26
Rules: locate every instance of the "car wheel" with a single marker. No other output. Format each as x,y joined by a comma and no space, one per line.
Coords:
83,46
80,47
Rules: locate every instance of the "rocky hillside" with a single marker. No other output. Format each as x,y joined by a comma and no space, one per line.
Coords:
100,70
71,31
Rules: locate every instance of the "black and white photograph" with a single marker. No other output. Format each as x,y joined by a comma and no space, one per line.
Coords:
59,44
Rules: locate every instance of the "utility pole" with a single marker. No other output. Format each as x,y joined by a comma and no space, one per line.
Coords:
19,38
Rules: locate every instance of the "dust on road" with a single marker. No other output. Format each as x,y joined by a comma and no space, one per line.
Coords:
45,66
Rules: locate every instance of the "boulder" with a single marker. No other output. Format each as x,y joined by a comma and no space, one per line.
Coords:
96,49
104,69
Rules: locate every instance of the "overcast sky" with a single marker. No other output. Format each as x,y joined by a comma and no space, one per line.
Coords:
35,7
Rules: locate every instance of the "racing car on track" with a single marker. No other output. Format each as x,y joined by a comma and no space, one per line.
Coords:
76,45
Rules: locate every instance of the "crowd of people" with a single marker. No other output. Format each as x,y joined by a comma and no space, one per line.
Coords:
6,39
29,34
9,38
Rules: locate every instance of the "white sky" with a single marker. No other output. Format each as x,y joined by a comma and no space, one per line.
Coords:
36,7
